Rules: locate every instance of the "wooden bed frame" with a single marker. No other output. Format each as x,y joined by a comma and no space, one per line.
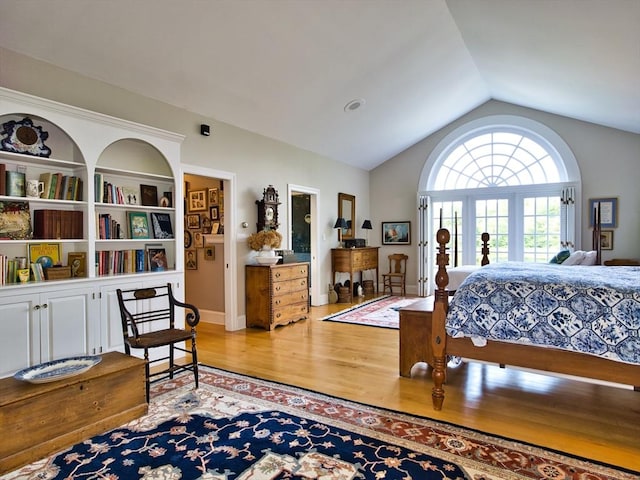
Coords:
537,358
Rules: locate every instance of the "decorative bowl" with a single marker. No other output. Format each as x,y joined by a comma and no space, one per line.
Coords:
268,260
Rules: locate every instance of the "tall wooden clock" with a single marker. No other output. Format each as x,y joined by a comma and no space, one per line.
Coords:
268,210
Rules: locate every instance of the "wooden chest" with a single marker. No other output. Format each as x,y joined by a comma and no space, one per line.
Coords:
276,294
41,419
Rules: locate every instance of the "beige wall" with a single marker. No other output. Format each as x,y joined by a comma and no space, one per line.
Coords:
609,162
257,161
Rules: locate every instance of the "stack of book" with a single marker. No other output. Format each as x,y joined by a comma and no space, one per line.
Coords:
61,187
108,228
111,262
58,224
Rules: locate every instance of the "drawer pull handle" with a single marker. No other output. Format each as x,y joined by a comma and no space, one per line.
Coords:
277,302
278,288
277,275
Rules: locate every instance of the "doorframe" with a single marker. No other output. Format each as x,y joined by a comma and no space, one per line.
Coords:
231,320
314,199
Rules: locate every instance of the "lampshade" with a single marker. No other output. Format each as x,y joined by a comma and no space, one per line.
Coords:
366,225
340,223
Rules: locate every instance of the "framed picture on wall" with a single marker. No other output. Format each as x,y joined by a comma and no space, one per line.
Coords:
193,221
608,212
606,239
396,233
213,196
197,200
214,213
191,259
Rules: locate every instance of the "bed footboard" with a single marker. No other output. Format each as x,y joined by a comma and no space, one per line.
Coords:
438,332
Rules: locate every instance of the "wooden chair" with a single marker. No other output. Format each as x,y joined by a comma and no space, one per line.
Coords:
397,273
148,322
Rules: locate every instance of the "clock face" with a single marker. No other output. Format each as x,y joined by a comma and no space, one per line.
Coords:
268,214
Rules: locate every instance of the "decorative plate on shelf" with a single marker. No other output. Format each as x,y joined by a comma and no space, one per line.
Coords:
57,369
24,137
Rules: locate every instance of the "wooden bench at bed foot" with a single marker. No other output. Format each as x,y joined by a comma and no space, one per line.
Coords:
415,335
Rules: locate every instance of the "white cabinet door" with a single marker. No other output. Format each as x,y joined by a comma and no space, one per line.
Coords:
69,322
20,338
110,324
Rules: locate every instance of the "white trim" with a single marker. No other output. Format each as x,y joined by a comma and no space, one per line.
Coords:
231,319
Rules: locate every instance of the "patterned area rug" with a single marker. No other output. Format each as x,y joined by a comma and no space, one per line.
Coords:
237,427
379,312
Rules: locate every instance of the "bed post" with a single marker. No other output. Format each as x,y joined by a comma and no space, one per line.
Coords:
485,249
438,333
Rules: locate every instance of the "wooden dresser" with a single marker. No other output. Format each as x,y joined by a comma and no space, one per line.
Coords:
352,260
276,294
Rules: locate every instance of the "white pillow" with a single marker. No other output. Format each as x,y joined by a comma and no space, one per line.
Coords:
589,258
575,258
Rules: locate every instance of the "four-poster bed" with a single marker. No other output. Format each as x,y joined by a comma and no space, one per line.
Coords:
544,358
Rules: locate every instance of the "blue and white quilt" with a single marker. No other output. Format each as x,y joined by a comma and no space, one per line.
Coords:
586,309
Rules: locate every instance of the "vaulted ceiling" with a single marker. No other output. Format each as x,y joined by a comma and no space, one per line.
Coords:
286,69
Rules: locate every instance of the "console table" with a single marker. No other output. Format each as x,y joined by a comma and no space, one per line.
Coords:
352,260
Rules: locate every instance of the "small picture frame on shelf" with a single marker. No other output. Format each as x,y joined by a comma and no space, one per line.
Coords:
161,223
46,254
15,220
197,200
149,195
157,258
191,259
193,221
215,228
166,200
131,195
138,225
78,263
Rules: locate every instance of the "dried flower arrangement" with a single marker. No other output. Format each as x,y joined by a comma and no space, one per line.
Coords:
264,238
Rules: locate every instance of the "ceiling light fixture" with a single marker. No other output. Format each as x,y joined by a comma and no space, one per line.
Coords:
354,105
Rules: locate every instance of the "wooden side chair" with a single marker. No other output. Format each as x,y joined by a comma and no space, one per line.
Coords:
148,322
397,274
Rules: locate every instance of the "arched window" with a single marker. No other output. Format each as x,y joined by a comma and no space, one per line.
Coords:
506,175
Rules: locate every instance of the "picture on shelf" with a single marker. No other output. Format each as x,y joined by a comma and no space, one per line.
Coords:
138,225
15,184
149,195
46,254
161,224
131,195
15,221
78,263
157,258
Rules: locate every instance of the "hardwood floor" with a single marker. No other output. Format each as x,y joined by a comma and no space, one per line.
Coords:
361,363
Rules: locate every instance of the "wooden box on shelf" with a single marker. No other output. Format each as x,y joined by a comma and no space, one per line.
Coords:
57,273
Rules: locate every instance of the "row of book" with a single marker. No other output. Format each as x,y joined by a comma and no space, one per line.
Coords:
61,187
107,192
111,262
11,271
108,228
58,224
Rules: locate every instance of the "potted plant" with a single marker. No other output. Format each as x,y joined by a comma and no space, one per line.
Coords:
265,240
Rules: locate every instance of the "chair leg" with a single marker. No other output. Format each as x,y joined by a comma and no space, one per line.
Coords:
194,359
171,359
147,373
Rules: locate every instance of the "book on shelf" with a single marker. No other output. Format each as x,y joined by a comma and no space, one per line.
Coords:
46,179
45,254
15,183
138,225
15,220
58,224
3,179
161,225
37,272
98,185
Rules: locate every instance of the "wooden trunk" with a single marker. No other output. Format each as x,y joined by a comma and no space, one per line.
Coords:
41,419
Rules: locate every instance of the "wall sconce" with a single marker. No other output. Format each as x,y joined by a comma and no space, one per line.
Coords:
341,223
366,225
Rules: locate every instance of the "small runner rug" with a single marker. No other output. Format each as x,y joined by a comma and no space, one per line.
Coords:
379,312
238,427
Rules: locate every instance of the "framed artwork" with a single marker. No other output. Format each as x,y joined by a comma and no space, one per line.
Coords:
608,212
78,263
190,260
193,221
606,239
46,254
149,195
197,201
130,195
138,225
215,228
157,258
198,240
206,225
161,223
214,213
213,196
210,253
187,239
396,233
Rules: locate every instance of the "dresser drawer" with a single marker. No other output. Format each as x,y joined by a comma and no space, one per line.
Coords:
363,260
288,272
289,313
295,285
290,298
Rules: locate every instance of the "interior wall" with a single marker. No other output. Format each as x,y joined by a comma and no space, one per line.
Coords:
608,160
257,161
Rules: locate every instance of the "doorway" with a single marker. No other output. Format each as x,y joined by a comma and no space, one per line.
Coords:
302,235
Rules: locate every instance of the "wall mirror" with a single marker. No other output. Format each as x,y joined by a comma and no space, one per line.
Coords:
347,210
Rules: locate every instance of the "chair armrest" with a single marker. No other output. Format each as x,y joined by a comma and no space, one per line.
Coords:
193,317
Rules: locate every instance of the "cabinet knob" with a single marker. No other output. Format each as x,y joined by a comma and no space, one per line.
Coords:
277,275
277,302
45,305
37,307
